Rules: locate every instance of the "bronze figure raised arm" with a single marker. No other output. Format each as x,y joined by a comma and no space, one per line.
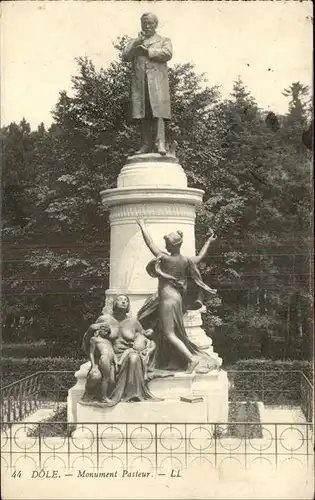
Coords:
174,271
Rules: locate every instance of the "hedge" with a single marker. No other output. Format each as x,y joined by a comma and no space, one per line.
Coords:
273,382
273,365
14,369
41,350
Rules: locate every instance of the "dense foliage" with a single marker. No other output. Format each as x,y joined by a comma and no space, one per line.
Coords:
253,167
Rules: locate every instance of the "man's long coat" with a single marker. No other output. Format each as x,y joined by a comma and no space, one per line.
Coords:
154,67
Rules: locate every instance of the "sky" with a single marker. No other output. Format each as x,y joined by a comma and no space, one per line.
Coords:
267,43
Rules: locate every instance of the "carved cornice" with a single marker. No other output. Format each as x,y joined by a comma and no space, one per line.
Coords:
153,211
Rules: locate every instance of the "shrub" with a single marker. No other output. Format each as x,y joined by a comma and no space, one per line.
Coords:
240,412
53,426
14,369
273,365
273,382
41,350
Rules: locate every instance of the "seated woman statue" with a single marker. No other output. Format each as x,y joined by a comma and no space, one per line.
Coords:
123,350
180,288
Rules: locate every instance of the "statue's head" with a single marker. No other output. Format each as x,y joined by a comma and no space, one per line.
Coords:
149,23
173,241
121,302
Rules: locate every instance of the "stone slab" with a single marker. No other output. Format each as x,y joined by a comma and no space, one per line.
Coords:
171,410
212,387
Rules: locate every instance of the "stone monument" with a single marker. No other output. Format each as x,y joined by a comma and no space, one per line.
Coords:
152,187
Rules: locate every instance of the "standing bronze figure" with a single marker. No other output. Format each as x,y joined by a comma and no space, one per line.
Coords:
180,288
150,96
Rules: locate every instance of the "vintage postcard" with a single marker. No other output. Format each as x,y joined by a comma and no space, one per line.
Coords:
157,253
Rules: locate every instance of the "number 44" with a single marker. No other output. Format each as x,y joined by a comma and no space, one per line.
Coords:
16,473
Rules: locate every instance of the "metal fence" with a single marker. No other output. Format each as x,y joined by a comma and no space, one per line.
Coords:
156,447
290,388
278,387
24,397
306,397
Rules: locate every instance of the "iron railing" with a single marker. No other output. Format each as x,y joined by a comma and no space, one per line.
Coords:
306,397
24,397
278,387
155,447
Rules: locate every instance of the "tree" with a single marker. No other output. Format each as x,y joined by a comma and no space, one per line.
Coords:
295,120
297,92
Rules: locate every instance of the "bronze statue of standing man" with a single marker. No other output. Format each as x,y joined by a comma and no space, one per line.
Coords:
150,96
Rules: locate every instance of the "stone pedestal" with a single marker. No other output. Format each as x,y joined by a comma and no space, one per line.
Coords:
152,187
212,387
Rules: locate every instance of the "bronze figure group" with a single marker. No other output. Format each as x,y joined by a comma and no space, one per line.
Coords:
124,354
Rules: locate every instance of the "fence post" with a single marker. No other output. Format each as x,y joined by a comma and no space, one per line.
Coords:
10,430
127,447
263,387
156,447
215,444
20,403
40,444
14,408
97,447
307,445
68,443
245,443
186,451
276,443
9,408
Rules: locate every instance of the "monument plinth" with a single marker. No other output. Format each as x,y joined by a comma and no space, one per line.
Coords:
154,188
212,387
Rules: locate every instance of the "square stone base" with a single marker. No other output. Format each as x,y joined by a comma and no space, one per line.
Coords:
144,412
212,387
